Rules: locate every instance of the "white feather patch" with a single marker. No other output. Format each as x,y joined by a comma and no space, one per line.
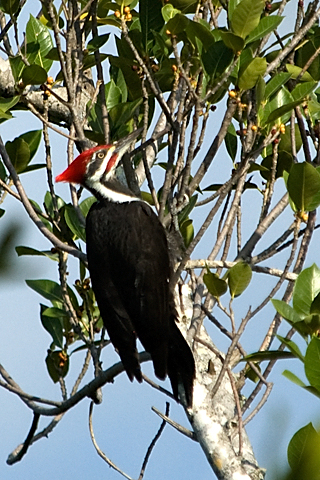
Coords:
111,195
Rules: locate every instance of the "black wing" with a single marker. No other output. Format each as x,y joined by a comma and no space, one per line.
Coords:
130,271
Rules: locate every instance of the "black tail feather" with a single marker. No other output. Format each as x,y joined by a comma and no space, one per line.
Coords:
181,368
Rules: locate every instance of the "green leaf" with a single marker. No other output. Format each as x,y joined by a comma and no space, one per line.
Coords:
251,74
312,363
266,25
132,80
315,305
303,454
306,288
5,116
117,76
282,97
19,153
232,41
302,90
48,202
39,43
295,71
110,20
34,75
104,6
314,109
42,218
304,186
214,284
34,166
7,103
293,378
73,222
276,83
187,6
53,54
90,60
246,17
284,163
123,112
113,94
165,76
150,19
57,364
285,144
292,346
177,24
147,197
17,66
86,205
9,6
307,51
231,142
47,289
286,311
267,355
97,42
239,277
312,324
52,321
33,139
199,35
216,59
185,212
260,91
21,250
168,11
284,112
187,231
231,6
296,380
3,172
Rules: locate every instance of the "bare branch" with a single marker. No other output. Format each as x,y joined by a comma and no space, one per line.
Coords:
175,425
98,449
153,443
18,455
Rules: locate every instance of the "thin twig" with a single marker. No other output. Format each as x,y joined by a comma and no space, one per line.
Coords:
153,443
157,387
46,122
177,426
230,352
155,89
98,449
260,404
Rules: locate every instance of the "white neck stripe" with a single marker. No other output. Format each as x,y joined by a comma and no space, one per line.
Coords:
112,195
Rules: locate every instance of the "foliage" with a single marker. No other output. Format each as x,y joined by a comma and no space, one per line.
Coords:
180,70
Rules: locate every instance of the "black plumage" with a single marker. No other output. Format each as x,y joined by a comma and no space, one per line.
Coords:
130,271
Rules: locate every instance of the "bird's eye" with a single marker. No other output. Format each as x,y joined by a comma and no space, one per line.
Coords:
100,155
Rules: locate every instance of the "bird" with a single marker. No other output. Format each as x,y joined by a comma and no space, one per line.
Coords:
130,270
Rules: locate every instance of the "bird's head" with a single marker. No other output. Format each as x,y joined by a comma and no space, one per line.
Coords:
98,164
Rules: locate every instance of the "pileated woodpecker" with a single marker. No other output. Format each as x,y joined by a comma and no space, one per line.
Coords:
130,270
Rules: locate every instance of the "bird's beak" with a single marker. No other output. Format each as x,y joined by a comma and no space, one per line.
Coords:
122,145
